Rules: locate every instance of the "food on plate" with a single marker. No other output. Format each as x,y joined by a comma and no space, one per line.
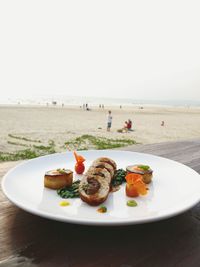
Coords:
71,191
95,184
107,160
94,189
101,172
79,167
131,203
56,179
131,191
104,165
135,185
102,209
119,177
101,178
144,170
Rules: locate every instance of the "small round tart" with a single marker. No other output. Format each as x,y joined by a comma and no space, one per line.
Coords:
56,179
144,170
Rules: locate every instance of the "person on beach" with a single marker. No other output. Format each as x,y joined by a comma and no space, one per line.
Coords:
109,121
129,125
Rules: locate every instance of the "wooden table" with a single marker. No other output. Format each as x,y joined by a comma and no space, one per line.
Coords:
28,240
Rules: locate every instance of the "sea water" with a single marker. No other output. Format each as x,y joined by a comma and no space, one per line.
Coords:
60,100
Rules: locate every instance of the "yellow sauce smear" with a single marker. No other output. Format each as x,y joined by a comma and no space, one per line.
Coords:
64,203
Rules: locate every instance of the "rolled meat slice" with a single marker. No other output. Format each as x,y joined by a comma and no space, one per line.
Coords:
95,184
94,189
101,172
109,161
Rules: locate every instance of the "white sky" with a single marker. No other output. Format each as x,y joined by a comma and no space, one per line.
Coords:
142,49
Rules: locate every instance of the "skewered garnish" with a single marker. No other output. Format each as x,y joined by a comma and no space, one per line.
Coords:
79,167
135,185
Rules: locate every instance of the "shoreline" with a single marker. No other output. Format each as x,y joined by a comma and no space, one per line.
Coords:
106,107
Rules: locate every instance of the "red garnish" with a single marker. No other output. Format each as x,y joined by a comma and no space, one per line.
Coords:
79,158
79,167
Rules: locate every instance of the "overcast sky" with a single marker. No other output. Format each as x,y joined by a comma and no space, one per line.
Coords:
142,49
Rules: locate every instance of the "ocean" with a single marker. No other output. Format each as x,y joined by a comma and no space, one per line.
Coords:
93,101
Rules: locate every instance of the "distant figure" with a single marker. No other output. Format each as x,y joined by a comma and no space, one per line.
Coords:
102,106
120,107
162,123
99,105
87,107
125,129
62,105
129,125
109,121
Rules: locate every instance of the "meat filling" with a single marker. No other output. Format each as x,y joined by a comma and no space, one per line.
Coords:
99,174
92,186
103,167
108,162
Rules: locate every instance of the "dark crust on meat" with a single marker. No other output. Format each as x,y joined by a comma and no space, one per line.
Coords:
94,200
95,171
104,165
109,161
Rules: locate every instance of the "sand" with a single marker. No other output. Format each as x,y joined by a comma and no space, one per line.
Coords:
61,124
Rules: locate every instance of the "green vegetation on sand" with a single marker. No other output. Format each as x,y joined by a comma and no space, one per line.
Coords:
32,149
85,142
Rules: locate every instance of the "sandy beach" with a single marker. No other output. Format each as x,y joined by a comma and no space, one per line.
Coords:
21,126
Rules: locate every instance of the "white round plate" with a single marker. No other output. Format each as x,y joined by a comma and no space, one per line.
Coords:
174,189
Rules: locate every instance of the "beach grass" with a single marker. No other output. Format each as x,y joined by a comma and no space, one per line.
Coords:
17,144
83,142
23,138
19,155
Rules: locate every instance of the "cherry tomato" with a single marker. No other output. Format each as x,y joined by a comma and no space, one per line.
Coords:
79,168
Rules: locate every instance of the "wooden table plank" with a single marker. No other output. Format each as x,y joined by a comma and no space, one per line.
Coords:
28,240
